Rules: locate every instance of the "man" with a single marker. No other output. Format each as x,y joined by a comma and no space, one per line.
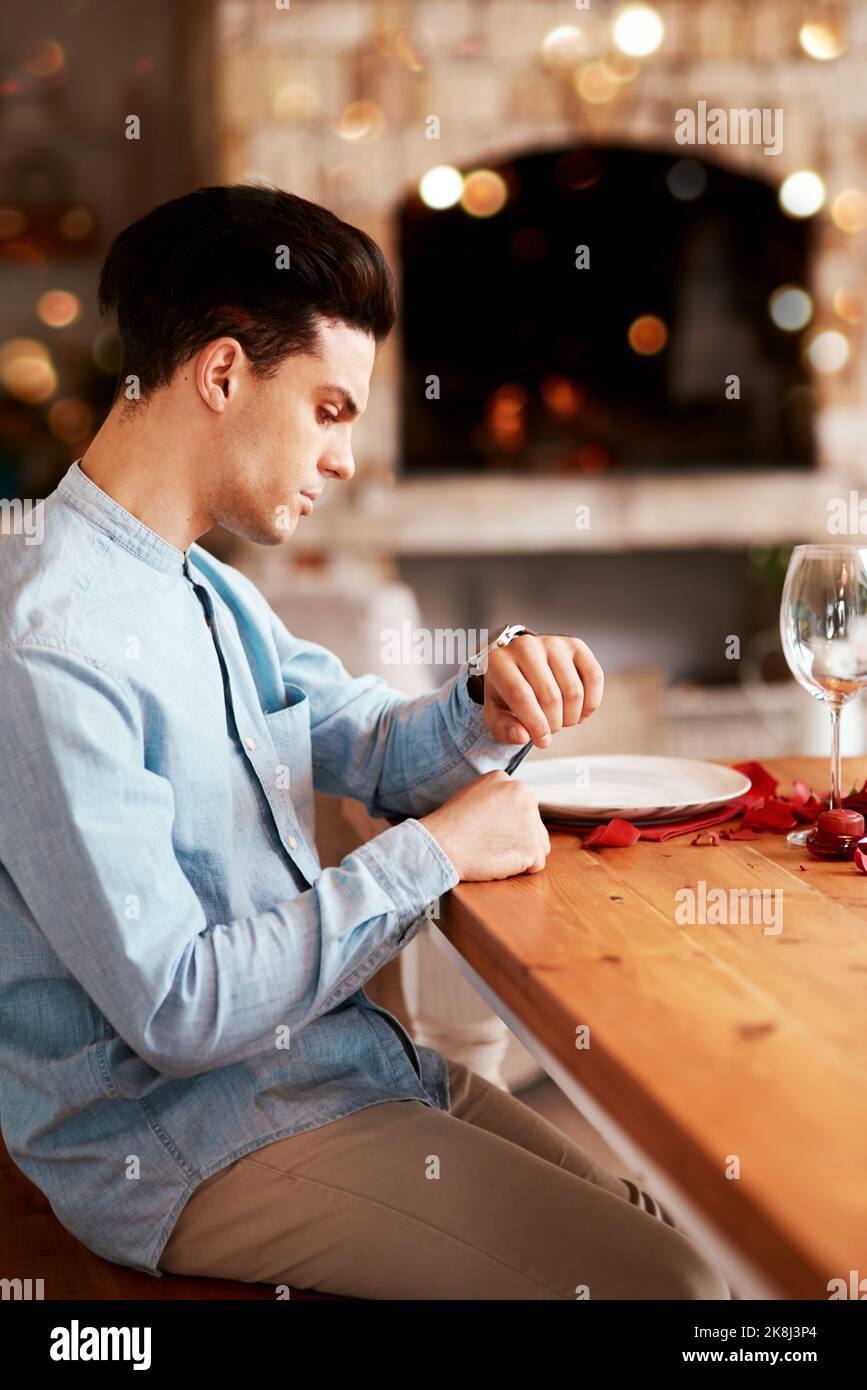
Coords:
191,1070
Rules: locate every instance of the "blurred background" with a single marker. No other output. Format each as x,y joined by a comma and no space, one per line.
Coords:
483,143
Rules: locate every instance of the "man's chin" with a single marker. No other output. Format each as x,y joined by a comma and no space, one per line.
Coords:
260,532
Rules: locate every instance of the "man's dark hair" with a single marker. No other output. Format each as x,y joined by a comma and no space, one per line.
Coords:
207,265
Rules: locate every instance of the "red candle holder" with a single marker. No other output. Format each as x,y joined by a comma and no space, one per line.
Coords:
837,835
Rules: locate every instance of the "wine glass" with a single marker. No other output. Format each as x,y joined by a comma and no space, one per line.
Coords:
823,626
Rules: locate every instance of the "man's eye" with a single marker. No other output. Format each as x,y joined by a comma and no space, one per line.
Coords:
326,417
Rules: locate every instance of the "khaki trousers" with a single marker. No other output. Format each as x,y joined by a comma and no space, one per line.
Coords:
404,1201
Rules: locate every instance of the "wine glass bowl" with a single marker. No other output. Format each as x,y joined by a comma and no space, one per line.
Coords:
823,627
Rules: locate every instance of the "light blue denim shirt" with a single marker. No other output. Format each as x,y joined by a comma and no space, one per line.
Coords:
180,980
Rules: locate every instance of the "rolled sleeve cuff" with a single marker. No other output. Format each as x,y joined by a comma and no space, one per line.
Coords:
488,753
412,868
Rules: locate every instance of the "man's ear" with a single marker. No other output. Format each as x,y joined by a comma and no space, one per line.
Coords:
217,371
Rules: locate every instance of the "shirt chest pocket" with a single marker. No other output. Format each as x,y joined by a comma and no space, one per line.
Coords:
291,777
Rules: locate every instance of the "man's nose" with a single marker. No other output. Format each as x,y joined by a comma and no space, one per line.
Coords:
339,464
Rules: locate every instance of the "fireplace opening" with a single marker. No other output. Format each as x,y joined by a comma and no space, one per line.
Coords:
657,349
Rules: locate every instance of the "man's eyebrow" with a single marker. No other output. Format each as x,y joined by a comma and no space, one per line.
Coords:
346,399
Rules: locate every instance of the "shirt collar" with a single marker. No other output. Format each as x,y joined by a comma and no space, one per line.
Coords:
83,494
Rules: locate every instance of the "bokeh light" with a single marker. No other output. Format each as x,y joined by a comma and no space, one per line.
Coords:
686,180
44,59
621,68
12,222
361,121
441,187
563,47
562,397
484,193
802,193
821,40
828,351
594,85
296,101
26,370
637,30
849,305
790,307
849,210
58,308
76,223
70,420
647,335
506,416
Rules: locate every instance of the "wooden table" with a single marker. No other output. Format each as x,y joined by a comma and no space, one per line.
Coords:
710,1045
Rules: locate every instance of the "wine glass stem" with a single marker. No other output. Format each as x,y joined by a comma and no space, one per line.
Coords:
836,774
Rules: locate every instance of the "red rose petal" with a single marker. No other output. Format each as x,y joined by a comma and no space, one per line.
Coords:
763,782
801,794
617,834
705,837
856,800
773,815
861,861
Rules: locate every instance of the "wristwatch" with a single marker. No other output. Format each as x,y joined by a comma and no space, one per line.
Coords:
507,633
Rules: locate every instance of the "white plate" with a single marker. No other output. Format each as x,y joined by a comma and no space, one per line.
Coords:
632,786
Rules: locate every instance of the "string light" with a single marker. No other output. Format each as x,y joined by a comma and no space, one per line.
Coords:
26,370
58,308
821,41
637,30
484,193
561,397
790,307
12,223
686,180
647,335
76,223
441,187
849,210
802,194
361,121
594,85
828,351
506,420
563,47
44,59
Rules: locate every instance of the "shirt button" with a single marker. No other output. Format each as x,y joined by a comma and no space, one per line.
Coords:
292,842
250,742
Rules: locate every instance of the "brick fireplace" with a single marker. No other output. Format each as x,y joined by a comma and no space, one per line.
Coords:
351,102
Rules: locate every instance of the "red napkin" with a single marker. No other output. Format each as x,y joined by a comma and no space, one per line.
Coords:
761,808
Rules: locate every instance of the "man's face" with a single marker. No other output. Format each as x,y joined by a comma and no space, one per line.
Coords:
291,435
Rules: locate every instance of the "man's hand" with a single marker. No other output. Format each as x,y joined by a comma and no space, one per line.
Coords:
538,685
491,829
